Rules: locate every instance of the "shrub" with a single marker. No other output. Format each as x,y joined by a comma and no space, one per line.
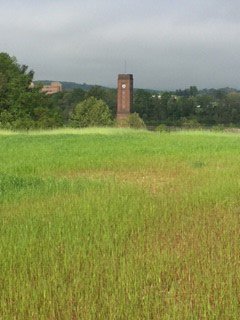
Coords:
6,120
89,113
219,127
191,124
133,121
162,128
24,123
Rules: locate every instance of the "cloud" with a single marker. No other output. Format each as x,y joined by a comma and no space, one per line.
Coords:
167,44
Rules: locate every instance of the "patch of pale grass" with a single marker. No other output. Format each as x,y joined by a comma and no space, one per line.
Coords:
82,131
205,132
7,132
153,180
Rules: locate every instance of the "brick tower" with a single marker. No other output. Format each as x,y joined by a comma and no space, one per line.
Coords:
124,96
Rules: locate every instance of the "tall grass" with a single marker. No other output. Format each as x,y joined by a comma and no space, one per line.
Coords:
119,224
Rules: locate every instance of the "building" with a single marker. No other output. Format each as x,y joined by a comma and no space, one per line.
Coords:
54,87
124,95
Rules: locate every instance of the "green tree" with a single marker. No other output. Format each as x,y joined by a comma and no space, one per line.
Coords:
66,101
193,91
111,100
109,96
18,100
143,104
91,112
14,81
97,92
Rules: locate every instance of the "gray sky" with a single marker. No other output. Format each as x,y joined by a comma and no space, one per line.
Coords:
168,44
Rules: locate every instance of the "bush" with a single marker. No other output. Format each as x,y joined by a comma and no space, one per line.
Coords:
133,121
219,127
162,128
25,123
46,118
191,124
6,120
89,113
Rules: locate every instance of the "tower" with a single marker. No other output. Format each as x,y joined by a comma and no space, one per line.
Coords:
125,95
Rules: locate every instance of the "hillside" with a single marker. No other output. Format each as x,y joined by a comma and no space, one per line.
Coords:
73,85
68,85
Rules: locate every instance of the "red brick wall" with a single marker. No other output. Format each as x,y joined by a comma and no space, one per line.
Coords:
125,95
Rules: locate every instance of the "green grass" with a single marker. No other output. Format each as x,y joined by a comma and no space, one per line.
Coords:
119,224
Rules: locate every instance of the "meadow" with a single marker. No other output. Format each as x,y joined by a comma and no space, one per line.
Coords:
119,224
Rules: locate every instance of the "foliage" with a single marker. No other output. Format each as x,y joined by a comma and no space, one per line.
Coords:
219,127
19,102
190,124
132,121
142,104
91,112
6,119
162,128
66,101
96,92
14,82
170,108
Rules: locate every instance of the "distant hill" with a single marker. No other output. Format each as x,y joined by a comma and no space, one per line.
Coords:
73,85
213,91
67,85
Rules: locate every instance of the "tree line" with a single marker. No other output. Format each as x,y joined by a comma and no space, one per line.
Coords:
189,107
25,107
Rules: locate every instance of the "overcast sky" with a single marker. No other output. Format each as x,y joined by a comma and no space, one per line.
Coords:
168,44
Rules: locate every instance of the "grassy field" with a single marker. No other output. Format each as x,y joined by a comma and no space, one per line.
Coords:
119,224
